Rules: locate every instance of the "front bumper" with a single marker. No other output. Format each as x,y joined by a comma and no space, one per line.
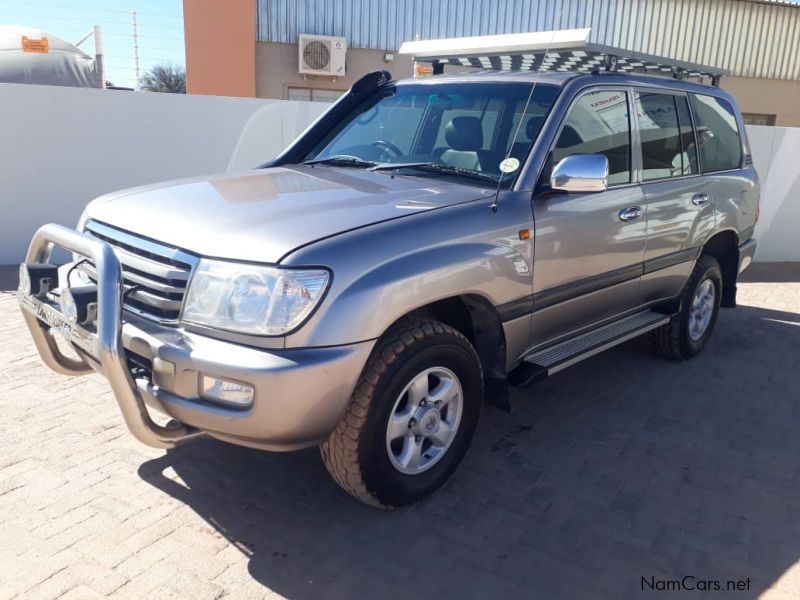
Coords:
299,395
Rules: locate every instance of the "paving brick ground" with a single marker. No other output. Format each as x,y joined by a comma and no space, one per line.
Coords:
625,466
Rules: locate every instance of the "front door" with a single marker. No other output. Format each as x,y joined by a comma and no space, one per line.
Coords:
589,247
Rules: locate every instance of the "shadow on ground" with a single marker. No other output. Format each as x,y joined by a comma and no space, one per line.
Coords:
622,467
776,272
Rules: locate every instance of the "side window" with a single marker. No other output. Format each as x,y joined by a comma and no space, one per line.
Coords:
665,130
598,123
690,166
717,134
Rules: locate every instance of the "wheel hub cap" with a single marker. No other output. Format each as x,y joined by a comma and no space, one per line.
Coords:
428,419
424,420
702,309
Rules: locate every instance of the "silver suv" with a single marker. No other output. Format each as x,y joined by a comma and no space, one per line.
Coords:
421,247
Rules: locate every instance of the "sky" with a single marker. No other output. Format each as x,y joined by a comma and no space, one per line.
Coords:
160,28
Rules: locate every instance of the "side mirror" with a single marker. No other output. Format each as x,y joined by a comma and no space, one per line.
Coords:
581,173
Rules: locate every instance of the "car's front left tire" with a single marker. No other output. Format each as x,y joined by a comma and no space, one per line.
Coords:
411,418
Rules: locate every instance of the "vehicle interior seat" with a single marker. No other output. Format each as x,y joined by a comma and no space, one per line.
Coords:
520,148
464,136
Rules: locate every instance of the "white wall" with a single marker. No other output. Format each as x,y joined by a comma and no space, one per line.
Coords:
776,151
60,147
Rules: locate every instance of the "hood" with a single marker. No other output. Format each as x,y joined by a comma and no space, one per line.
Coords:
263,215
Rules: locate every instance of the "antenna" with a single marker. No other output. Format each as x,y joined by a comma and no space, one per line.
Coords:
557,18
135,46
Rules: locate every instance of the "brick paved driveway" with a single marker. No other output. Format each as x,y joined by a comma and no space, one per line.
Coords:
622,467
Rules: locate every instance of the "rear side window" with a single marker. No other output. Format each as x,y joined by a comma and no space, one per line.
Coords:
598,123
717,134
665,128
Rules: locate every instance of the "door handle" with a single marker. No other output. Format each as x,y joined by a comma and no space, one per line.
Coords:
630,214
700,199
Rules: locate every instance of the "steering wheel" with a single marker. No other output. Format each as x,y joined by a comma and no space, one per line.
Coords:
388,147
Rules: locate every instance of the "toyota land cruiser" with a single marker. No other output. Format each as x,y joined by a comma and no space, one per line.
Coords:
422,246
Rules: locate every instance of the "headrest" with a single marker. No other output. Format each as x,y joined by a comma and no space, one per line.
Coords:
533,127
464,133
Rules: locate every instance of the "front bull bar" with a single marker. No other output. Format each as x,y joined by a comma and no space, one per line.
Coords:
106,346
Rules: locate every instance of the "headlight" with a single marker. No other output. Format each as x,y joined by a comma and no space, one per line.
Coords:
24,280
79,304
68,306
252,299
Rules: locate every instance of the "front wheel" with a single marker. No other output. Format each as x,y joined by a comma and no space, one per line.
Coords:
688,332
411,418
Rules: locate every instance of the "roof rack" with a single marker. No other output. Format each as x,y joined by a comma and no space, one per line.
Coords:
566,50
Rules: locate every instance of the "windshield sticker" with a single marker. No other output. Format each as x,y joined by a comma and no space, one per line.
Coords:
509,165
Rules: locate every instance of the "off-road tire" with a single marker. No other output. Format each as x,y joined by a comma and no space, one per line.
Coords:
673,340
355,454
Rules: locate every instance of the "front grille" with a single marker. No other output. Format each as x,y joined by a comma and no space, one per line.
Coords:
155,276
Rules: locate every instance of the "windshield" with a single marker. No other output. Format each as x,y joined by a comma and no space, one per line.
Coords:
469,126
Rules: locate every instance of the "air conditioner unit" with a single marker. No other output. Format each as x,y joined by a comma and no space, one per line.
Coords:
322,55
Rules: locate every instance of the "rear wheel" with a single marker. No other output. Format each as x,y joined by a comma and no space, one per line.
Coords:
688,332
411,417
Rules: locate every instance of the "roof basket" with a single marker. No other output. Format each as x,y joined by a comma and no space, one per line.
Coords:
566,50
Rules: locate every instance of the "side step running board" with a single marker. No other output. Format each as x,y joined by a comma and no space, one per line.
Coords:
540,364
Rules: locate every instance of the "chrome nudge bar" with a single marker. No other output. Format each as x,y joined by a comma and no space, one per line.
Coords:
104,346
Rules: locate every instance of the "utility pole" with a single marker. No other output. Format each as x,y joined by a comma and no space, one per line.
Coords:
135,46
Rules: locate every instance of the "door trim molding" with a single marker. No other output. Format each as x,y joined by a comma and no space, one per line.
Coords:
532,303
670,260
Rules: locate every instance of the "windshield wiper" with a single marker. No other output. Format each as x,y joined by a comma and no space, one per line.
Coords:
435,167
342,161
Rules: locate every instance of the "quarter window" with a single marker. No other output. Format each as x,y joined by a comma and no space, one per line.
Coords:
717,134
665,130
598,123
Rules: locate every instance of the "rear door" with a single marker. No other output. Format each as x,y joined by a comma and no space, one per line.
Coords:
724,163
679,200
588,247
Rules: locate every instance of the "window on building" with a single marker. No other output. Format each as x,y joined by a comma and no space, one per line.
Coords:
665,130
598,123
717,134
758,119
313,95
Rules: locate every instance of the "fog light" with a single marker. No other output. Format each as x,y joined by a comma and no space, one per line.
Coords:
79,304
227,392
37,279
